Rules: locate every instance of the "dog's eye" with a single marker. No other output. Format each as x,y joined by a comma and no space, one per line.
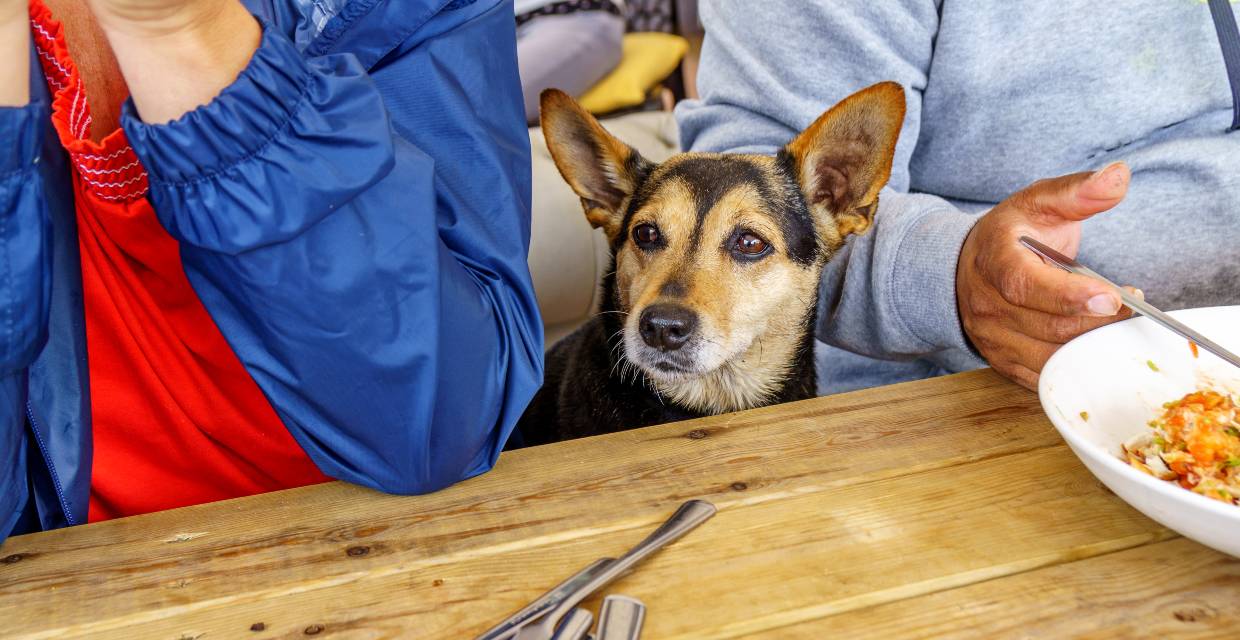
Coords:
646,235
749,245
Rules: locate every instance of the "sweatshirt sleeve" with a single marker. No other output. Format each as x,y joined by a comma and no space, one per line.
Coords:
764,76
25,289
383,305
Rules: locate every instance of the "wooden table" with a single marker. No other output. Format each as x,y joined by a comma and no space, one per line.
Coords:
947,507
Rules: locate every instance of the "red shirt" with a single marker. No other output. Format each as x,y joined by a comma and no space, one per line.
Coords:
177,418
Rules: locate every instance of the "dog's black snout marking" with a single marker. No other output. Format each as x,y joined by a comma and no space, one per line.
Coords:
667,327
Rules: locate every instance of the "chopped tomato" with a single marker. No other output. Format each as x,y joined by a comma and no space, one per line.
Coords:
1198,438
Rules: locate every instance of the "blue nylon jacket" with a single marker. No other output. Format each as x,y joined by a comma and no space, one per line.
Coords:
353,212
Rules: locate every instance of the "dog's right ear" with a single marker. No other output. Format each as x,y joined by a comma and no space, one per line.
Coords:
603,171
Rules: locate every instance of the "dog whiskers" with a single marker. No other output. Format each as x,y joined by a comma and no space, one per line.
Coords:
655,388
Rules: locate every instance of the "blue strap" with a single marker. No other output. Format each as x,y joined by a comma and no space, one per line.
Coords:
1229,40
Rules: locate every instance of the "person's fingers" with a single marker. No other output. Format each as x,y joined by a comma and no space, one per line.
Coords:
1074,197
1021,375
1056,329
1025,281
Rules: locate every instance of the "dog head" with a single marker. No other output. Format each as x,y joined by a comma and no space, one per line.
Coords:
718,256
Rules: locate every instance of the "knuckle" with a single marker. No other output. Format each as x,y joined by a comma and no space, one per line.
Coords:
1013,284
981,262
981,307
987,307
1041,357
1029,198
1061,330
987,345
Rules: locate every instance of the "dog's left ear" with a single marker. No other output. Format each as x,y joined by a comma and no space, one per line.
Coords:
603,171
844,158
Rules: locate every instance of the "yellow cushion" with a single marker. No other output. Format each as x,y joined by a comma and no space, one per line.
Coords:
647,59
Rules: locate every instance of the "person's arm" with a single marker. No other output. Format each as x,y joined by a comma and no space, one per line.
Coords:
14,54
176,55
899,291
373,283
24,253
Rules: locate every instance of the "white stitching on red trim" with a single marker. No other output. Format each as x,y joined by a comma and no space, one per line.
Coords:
84,112
44,53
85,124
115,185
123,197
104,171
48,56
39,27
73,109
88,156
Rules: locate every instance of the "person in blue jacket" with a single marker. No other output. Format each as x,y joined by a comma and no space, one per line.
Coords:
298,252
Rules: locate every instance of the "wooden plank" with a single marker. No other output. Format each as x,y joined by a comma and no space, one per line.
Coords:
537,497
1174,589
759,565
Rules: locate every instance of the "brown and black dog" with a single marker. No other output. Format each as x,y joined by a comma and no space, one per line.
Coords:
710,303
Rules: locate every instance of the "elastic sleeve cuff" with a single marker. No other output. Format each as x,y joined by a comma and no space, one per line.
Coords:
285,145
236,125
923,280
22,130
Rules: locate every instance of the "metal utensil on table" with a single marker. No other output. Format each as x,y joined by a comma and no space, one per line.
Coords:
687,517
576,625
545,603
1132,302
620,618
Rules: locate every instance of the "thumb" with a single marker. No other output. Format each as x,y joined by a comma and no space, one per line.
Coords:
1075,197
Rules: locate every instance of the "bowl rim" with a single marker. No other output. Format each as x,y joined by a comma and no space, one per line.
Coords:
1109,459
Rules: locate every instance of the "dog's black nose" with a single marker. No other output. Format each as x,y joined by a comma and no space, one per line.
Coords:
667,327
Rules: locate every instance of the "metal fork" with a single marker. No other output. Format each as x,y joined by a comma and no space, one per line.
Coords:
687,517
1132,302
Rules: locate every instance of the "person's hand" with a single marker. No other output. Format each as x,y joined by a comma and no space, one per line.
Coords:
12,9
1016,309
158,18
177,55
14,53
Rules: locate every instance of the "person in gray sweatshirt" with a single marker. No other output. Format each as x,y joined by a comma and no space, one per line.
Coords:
1128,102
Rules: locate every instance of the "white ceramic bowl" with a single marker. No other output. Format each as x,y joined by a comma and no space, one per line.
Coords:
1106,374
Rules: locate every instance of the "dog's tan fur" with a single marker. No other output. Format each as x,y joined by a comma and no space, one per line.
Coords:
752,316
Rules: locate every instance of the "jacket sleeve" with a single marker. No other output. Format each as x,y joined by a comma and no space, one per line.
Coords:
25,271
891,292
375,285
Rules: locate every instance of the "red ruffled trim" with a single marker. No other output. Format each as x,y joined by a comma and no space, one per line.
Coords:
108,169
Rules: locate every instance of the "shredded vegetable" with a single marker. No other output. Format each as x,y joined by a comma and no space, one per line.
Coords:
1195,444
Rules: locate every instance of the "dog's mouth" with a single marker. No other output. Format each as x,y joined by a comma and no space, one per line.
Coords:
699,357
672,368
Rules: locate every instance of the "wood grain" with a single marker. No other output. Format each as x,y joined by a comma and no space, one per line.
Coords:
829,509
1174,589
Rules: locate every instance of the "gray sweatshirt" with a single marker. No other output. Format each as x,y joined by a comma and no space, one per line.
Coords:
1000,94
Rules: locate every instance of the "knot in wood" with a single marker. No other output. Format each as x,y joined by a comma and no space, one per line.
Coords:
1193,614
